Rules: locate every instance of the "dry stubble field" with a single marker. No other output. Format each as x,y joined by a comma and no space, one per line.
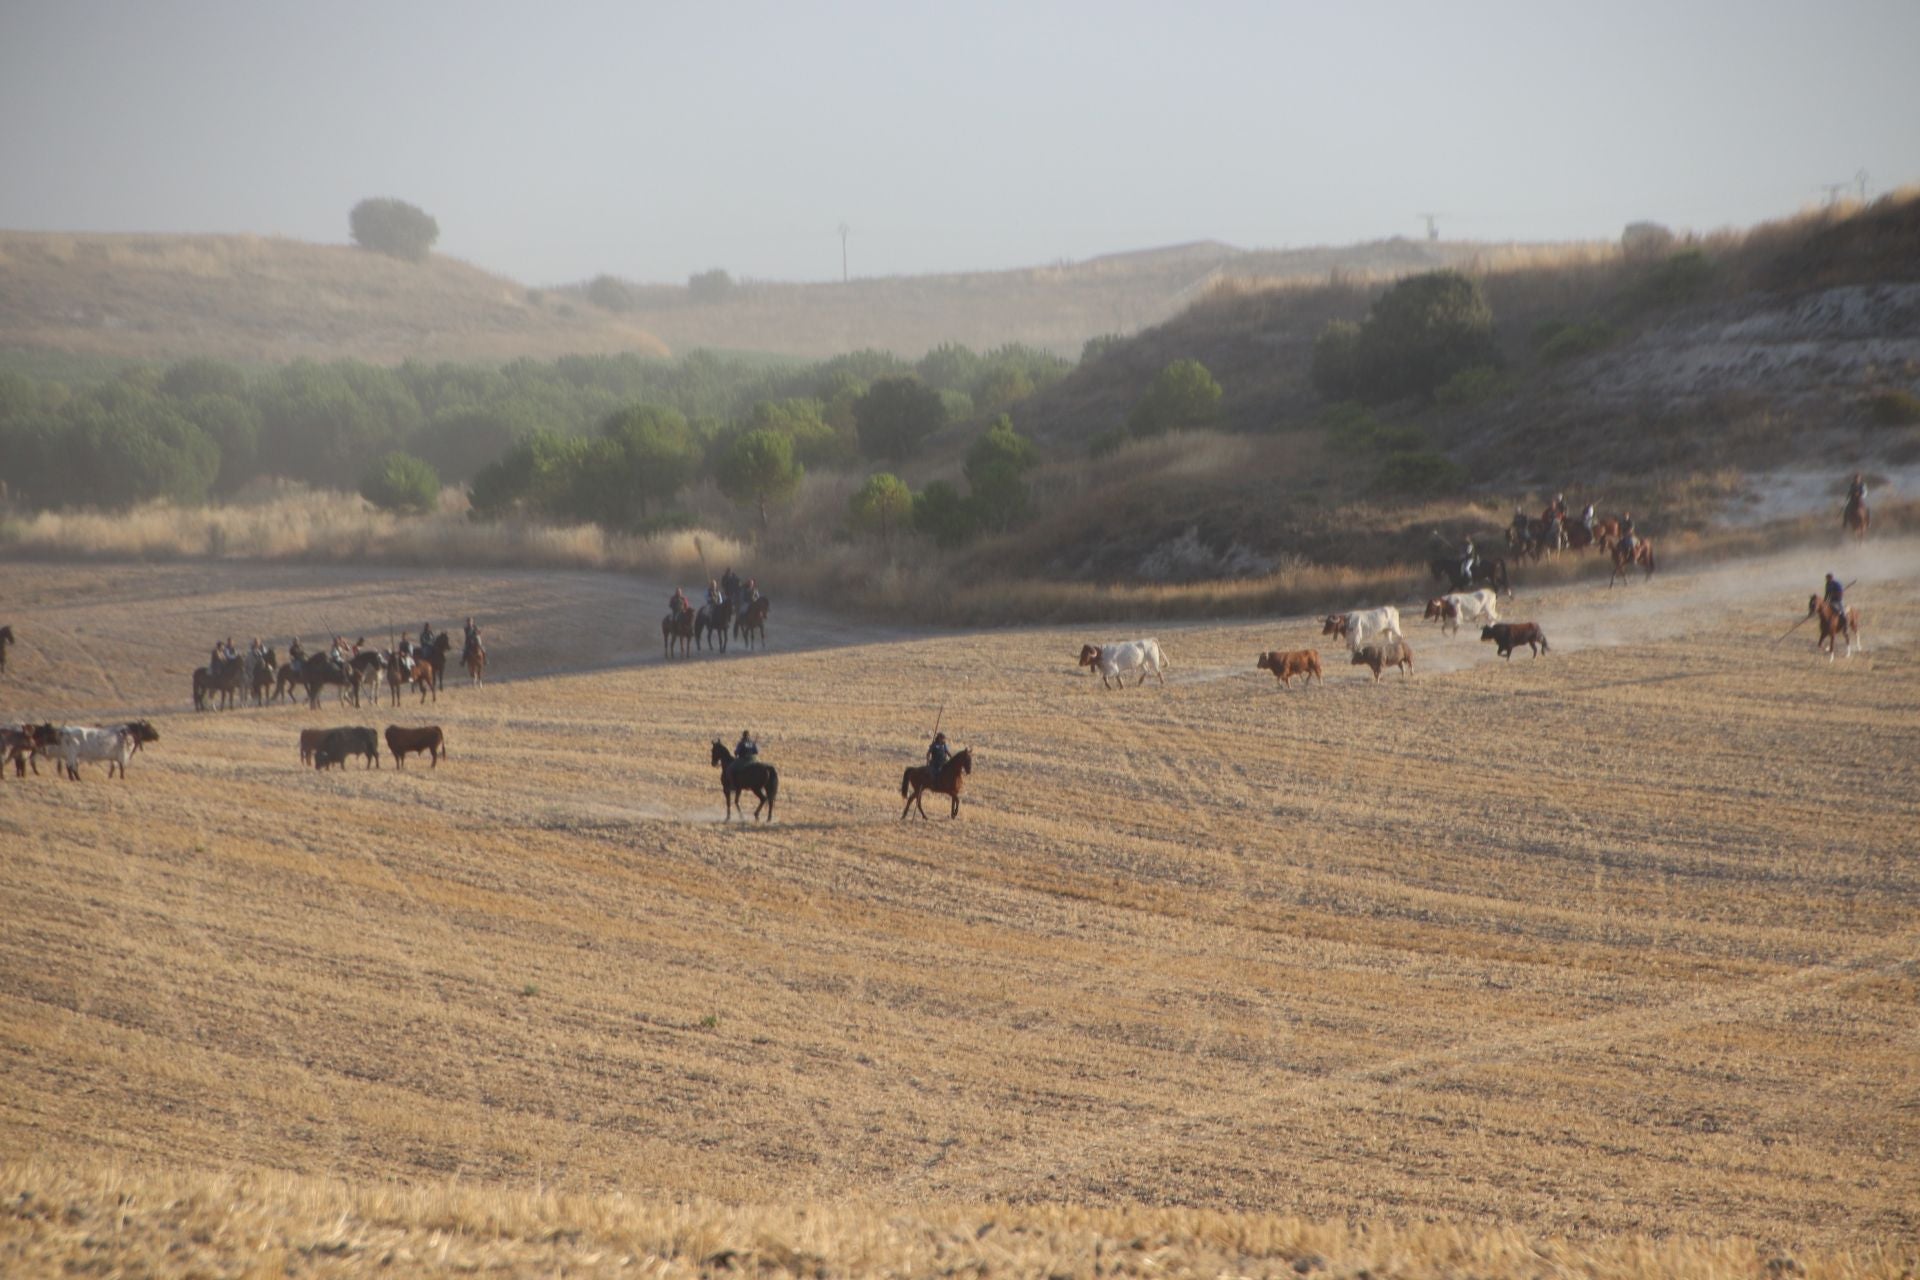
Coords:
1620,940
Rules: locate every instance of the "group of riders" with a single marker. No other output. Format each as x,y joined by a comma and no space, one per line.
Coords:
340,653
1550,530
727,587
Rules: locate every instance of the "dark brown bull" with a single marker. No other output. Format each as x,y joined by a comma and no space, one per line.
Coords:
428,738
1508,636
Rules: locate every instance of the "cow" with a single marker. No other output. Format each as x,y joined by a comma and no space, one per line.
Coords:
1482,606
1387,651
352,740
310,740
1508,636
1297,662
1117,660
428,739
113,746
24,744
1362,625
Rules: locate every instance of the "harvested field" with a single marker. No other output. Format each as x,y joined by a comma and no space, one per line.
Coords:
1617,940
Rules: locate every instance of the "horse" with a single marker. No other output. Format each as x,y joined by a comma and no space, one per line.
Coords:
319,671
678,627
6,638
474,659
227,677
1488,571
761,779
435,656
1578,539
369,665
423,677
920,778
1833,625
265,668
1606,535
1853,520
753,621
1624,560
713,622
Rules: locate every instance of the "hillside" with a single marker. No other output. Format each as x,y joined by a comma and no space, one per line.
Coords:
1373,965
263,300
1736,355
1056,308
266,300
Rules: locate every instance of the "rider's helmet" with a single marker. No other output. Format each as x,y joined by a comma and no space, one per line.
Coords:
939,737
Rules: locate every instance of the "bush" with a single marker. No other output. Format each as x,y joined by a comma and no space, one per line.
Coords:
958,404
1645,242
996,469
401,482
393,227
951,366
943,515
1678,280
1098,346
710,286
1420,333
1424,472
1894,408
1472,386
758,470
1184,395
609,294
895,415
881,505
1336,361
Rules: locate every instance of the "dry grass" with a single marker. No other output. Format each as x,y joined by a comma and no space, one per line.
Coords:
1564,966
162,1223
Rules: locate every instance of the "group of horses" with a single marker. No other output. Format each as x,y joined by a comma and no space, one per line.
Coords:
710,624
1548,534
763,781
263,679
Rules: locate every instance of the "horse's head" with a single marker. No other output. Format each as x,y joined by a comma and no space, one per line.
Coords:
963,759
1089,654
1813,605
720,754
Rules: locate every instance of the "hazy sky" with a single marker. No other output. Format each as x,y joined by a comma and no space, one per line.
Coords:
557,140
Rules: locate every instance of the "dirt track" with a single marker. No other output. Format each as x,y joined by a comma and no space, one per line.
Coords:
1619,938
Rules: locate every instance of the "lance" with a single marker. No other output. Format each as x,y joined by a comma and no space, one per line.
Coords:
938,718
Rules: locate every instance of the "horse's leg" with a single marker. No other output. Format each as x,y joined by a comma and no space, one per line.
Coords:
907,807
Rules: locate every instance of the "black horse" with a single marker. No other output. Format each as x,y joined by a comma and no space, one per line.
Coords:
712,624
761,779
265,668
1488,571
6,638
226,677
320,670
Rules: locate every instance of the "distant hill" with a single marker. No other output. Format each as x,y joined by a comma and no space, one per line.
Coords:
265,300
1056,308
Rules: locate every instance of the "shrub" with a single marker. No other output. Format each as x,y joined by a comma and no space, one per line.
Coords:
1472,386
656,456
895,415
1336,360
958,404
758,470
1645,242
1098,346
1420,333
1894,408
1677,280
609,294
401,482
1184,395
710,286
1424,472
950,366
393,227
943,515
881,505
996,470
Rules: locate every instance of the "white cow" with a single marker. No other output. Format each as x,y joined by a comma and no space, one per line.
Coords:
1479,608
1117,660
113,746
1362,625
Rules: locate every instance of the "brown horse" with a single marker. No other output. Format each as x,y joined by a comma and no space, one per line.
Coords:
1834,625
1853,520
1606,535
677,628
1624,560
475,660
425,678
753,621
919,778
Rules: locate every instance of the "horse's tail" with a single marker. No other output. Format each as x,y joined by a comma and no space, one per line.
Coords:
773,786
906,780
1544,646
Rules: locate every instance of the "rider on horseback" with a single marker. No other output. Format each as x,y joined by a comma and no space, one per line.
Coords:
715,597
730,584
678,604
1467,558
426,635
753,592
746,751
472,645
1627,539
1586,518
1857,491
296,656
1836,597
938,753
403,656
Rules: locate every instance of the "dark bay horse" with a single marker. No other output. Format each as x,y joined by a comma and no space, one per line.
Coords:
919,778
6,638
226,677
677,628
1835,626
1488,571
712,623
761,779
1853,520
265,668
753,622
1624,560
319,671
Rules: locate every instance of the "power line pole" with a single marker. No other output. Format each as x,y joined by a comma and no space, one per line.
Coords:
1833,190
1433,226
844,228
1860,181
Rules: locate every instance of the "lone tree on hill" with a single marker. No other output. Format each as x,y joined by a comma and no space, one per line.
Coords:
758,469
393,227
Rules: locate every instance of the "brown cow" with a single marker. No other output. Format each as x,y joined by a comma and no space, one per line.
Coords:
1295,662
1388,651
428,739
1508,636
310,740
